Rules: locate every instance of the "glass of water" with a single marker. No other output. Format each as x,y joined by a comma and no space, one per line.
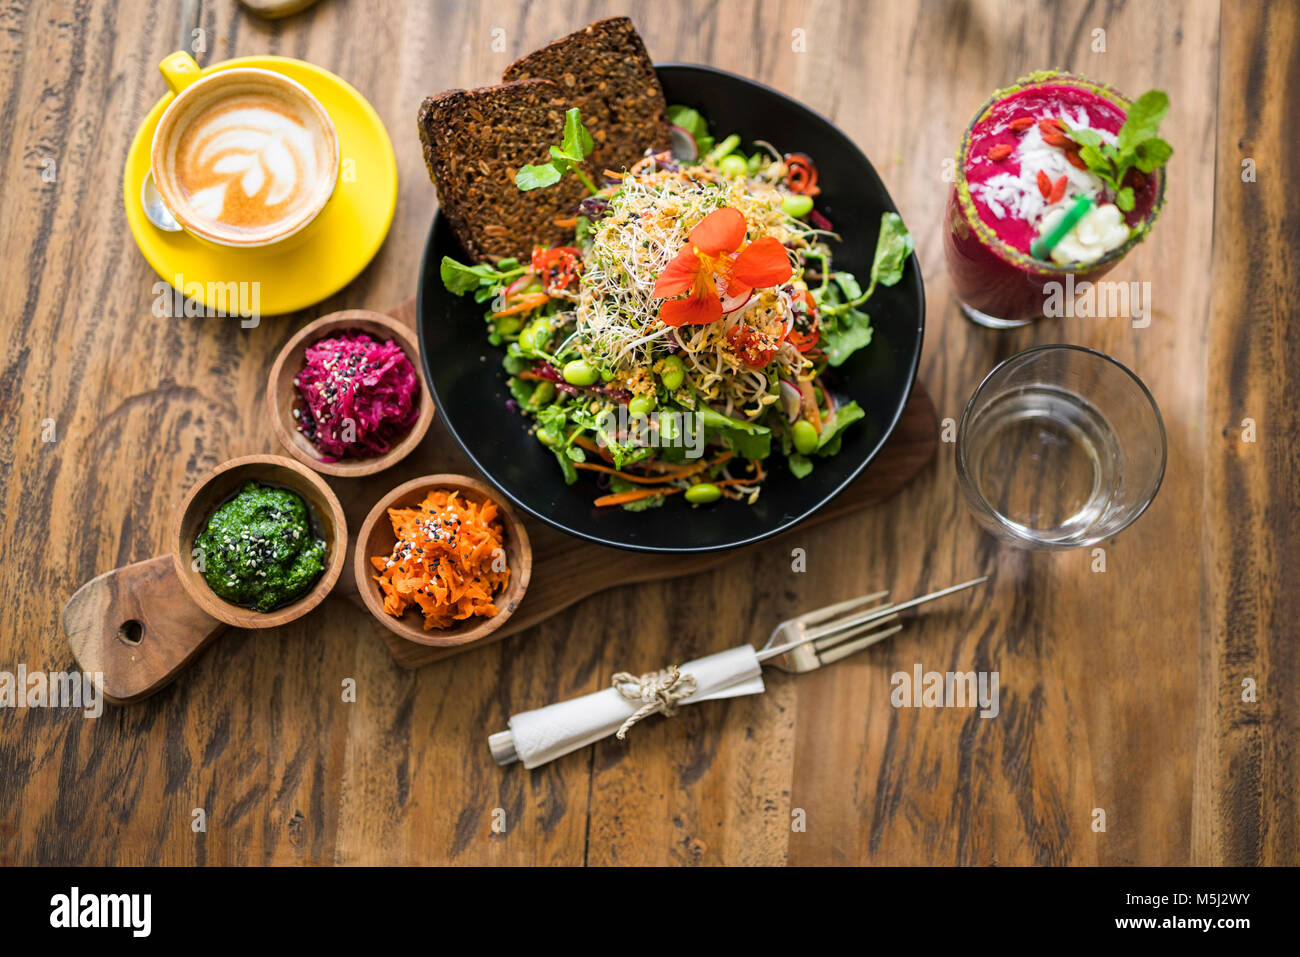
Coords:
1060,447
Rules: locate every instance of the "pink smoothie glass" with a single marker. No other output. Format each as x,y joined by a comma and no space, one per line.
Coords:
995,279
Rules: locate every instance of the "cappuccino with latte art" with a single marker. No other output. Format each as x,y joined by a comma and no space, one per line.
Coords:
245,157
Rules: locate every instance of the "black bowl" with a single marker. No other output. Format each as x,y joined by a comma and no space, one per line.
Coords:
465,375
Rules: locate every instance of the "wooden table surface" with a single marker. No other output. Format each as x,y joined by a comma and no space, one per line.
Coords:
1121,690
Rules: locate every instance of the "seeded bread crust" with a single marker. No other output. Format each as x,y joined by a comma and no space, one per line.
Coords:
605,71
474,142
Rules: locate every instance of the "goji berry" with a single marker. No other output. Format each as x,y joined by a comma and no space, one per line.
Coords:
1044,184
1021,124
1058,190
1075,160
1000,152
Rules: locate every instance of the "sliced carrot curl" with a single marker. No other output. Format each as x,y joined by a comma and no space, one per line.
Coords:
448,560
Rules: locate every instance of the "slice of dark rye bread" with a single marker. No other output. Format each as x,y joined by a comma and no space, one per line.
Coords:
605,71
474,141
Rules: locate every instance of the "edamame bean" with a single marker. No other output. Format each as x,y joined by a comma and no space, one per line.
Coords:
797,206
506,325
669,433
702,493
580,372
548,438
642,405
528,339
672,374
805,437
544,394
734,166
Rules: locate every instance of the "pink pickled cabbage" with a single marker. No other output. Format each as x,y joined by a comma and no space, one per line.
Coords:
352,377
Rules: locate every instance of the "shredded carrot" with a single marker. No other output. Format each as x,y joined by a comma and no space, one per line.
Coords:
587,444
448,560
530,375
681,471
667,471
524,304
622,498
627,476
566,223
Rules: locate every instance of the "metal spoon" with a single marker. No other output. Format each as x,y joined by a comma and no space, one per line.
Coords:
154,209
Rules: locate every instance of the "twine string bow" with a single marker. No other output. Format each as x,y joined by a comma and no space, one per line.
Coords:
658,691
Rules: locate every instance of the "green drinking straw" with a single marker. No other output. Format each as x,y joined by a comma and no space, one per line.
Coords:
1041,247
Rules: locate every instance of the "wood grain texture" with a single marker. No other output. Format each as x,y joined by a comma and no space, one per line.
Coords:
1119,690
1247,754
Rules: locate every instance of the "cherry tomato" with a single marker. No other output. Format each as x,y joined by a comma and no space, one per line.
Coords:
801,174
558,267
754,348
805,332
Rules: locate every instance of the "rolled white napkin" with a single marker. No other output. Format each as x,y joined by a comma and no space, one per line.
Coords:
536,737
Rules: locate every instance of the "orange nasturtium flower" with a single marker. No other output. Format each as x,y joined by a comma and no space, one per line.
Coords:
715,265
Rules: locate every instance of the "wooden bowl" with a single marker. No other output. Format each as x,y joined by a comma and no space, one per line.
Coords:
219,485
378,538
282,395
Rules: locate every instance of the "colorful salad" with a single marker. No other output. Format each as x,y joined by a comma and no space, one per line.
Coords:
685,335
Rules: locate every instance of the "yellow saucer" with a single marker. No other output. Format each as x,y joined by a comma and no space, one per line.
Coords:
343,239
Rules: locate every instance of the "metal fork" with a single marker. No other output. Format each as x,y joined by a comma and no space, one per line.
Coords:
830,634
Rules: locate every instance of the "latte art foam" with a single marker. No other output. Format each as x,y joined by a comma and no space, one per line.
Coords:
249,160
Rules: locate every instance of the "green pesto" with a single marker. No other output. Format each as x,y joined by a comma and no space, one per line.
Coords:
258,550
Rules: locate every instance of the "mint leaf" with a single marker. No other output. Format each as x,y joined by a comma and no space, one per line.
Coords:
1095,161
536,177
1152,153
1136,145
1084,137
893,246
1143,119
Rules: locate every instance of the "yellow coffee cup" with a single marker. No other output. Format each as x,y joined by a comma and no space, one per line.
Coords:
242,157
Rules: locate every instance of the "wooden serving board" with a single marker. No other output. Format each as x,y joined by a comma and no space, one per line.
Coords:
566,569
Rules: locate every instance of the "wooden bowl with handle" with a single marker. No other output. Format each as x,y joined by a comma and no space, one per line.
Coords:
282,395
139,626
377,537
221,484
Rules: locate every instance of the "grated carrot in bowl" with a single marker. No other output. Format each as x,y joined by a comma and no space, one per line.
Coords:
448,560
